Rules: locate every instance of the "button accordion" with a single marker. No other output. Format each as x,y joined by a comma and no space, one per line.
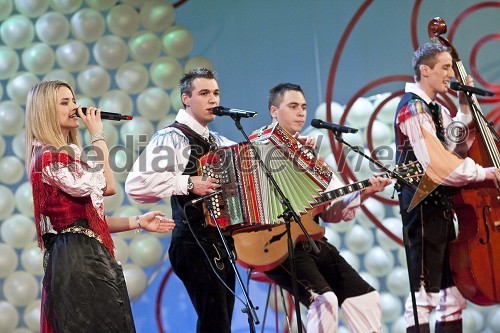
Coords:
248,200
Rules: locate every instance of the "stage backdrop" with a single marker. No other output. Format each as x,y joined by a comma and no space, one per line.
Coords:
350,57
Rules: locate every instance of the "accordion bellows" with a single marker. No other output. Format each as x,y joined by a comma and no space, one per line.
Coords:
249,200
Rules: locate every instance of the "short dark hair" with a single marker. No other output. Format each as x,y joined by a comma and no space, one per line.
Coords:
186,82
276,93
426,54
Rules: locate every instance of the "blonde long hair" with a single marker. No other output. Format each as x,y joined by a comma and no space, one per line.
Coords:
42,122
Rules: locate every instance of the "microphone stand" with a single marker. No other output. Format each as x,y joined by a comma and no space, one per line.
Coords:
288,215
396,175
249,308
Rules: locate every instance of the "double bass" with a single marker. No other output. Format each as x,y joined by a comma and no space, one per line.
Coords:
475,254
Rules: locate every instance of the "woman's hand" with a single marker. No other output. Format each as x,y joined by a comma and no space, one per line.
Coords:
92,120
155,221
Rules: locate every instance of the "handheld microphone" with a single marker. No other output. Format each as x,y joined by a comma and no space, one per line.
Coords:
223,111
468,89
110,115
203,198
318,123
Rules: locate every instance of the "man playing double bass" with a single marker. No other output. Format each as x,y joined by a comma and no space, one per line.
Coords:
423,129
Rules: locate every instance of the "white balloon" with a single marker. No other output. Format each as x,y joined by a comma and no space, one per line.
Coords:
175,99
360,113
93,81
122,251
113,202
370,279
17,31
72,56
494,319
116,101
9,317
144,46
336,111
165,121
6,7
20,288
18,231
32,259
11,170
153,103
394,225
138,131
61,75
473,321
399,325
38,58
52,28
110,51
123,20
135,278
344,226
23,330
378,261
351,258
132,77
11,118
166,72
7,202
375,207
198,62
332,235
24,198
381,134
19,86
65,6
2,146
387,112
358,239
391,307
177,41
122,159
402,257
31,8
9,62
87,25
157,15
101,5
145,250
32,315
397,282
8,260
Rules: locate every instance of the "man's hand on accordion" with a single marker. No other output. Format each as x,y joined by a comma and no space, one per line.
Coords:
203,185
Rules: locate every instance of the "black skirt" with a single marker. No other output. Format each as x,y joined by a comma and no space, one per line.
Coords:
83,287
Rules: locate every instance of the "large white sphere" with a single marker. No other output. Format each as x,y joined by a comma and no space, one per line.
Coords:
166,72
122,159
123,20
31,8
19,86
113,202
359,239
6,7
61,75
7,202
20,288
137,130
18,231
87,25
391,307
198,62
177,41
11,118
360,113
11,170
145,250
378,261
175,99
9,62
493,319
165,121
144,46
388,111
9,317
135,278
473,321
17,31
157,15
132,77
65,6
375,207
117,101
73,55
336,111
110,51
370,279
94,81
397,282
2,146
38,58
381,134
153,103
332,236
18,145
8,260
24,198
32,315
101,5
394,225
122,250
351,258
32,259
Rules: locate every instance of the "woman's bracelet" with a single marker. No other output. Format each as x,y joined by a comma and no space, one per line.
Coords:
139,227
96,137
